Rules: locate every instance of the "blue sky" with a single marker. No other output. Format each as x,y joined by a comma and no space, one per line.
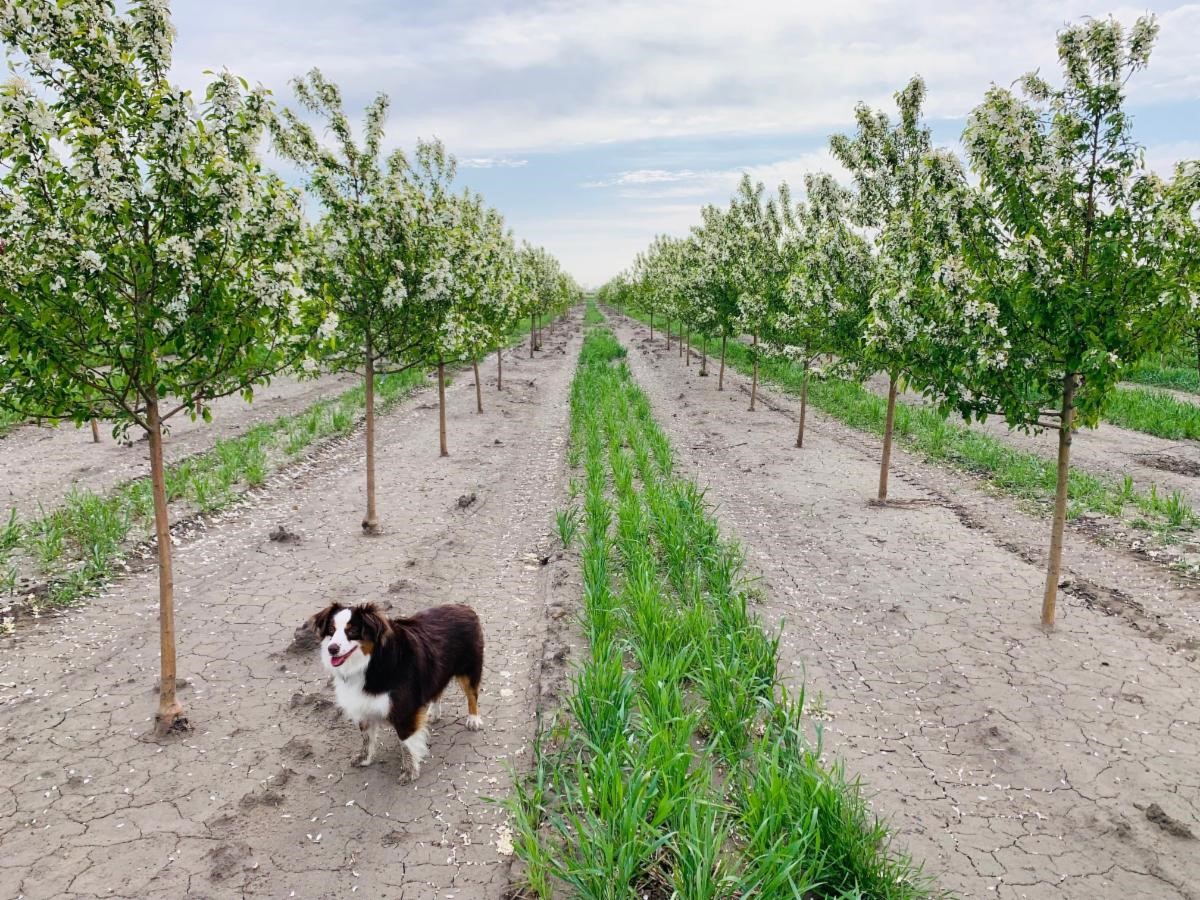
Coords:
595,125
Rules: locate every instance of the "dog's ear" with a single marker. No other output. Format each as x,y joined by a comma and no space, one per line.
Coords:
374,624
320,621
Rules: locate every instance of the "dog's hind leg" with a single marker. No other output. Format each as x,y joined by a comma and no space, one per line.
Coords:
370,740
470,687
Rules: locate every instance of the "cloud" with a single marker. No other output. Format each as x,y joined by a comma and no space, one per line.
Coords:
646,184
488,162
554,73
634,113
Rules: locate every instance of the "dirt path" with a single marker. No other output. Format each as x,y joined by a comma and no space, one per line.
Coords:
1013,764
40,464
260,800
1107,449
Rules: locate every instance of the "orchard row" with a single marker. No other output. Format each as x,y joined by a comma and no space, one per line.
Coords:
1022,287
150,262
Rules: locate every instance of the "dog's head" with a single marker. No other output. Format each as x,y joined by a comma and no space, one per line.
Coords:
349,635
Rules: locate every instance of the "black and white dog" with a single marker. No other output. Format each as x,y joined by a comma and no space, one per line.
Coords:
395,670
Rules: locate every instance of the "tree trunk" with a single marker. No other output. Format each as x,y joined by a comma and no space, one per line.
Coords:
803,404
1054,565
170,715
668,327
652,327
681,340
478,388
886,461
95,431
442,405
754,380
721,377
704,354
499,369
370,523
532,335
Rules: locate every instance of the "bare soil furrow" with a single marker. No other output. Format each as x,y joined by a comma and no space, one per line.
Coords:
260,799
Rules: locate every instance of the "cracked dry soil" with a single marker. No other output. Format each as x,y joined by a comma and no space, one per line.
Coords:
1012,763
260,800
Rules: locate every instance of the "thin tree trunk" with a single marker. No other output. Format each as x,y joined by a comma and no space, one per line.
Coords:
1054,565
95,431
704,354
721,378
803,404
754,380
370,523
886,461
532,335
687,357
681,340
478,388
668,326
442,406
652,327
499,369
170,715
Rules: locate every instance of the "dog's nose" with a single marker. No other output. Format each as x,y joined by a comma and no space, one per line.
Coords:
334,650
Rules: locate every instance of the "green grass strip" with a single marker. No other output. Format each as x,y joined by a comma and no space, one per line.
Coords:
682,768
1178,370
1154,412
923,429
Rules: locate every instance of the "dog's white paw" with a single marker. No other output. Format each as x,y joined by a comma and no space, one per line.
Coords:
410,769
433,712
362,760
474,723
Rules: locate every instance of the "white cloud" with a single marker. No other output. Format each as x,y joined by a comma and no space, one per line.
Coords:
499,83
548,74
1162,157
488,162
645,183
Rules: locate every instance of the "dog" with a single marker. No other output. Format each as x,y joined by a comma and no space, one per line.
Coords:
395,670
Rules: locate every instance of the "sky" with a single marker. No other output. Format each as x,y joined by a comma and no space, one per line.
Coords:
593,126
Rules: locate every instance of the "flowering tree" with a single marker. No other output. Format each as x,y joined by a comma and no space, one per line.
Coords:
828,293
717,251
653,275
488,299
147,266
1083,253
759,270
694,307
911,199
357,266
543,288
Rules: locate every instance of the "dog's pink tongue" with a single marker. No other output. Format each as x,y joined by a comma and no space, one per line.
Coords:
336,661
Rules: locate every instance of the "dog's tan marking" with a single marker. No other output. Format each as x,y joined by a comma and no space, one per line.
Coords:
472,692
418,720
367,647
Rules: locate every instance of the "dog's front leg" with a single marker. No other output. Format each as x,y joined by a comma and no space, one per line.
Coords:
370,739
415,744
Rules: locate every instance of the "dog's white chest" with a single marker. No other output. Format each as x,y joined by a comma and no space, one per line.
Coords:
357,704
